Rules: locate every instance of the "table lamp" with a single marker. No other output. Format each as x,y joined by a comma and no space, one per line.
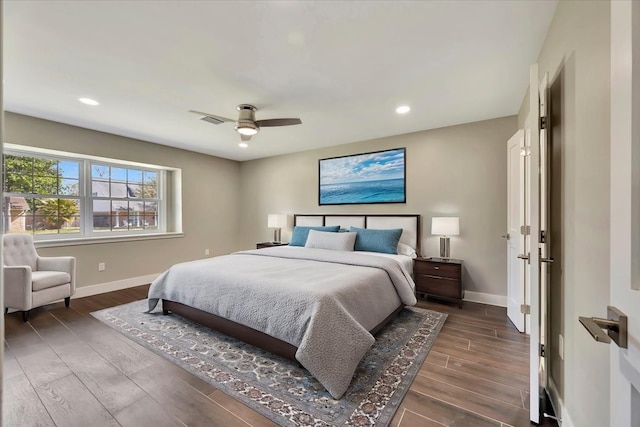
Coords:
277,221
445,227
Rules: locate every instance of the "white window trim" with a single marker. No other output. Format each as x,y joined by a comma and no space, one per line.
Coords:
173,214
105,239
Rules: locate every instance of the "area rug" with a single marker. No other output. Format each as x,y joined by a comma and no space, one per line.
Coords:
281,389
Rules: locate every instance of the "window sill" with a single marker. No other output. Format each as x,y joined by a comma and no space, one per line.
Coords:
106,239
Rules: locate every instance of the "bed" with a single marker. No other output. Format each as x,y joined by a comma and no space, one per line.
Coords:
318,306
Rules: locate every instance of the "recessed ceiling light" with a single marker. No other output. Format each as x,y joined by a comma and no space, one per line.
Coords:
243,145
88,101
403,109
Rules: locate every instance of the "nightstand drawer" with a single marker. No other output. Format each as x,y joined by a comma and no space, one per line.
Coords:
438,286
437,278
438,269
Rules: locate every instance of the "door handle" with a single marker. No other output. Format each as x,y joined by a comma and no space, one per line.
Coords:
506,236
525,257
615,324
549,260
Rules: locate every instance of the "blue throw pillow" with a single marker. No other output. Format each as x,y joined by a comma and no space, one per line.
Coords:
371,240
300,233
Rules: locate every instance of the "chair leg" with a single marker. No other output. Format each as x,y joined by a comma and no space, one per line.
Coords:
67,300
25,316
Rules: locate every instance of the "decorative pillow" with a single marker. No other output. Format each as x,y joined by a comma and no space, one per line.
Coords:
404,249
300,233
328,240
372,240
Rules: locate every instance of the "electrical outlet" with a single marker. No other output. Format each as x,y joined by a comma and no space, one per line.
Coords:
206,251
561,346
102,266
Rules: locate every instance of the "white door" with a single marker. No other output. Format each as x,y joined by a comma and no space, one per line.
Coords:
515,218
533,267
539,261
544,235
625,212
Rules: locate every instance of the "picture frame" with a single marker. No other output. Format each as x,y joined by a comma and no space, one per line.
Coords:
366,178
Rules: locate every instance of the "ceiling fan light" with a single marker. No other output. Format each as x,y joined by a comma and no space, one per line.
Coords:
249,129
243,145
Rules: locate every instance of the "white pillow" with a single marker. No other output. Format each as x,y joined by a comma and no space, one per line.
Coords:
328,240
404,249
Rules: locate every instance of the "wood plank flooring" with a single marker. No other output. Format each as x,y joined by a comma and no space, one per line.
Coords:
65,368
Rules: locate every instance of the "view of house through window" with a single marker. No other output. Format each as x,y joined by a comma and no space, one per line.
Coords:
124,198
52,196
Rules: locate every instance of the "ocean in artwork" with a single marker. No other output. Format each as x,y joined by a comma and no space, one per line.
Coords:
378,191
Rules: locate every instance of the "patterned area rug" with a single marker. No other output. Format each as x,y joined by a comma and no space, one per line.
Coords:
279,388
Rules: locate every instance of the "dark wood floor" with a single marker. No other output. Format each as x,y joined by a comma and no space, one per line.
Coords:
65,368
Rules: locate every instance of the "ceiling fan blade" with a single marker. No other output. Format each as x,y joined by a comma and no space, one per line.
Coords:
212,118
278,122
245,137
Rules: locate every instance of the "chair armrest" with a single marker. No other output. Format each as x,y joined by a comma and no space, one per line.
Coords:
60,263
18,287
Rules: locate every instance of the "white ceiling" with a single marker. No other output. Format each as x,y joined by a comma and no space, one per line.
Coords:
341,66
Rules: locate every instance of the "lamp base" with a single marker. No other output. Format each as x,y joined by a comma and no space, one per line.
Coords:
276,236
444,248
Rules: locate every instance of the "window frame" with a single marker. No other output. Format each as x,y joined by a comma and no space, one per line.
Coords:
86,233
90,198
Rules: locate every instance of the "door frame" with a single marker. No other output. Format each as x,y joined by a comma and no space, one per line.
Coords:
624,284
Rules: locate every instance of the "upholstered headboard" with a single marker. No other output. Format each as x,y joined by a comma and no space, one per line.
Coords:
410,223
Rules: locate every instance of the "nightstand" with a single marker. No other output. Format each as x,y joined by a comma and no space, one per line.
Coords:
270,244
438,278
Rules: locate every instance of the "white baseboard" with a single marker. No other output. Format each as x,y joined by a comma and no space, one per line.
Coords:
101,288
558,406
481,297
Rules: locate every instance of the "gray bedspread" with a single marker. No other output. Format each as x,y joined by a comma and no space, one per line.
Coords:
323,302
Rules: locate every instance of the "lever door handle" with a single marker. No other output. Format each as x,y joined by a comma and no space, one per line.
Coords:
525,257
616,326
549,260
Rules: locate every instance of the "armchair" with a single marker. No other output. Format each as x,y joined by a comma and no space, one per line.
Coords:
31,280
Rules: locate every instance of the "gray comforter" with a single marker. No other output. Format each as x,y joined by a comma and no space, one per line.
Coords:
323,302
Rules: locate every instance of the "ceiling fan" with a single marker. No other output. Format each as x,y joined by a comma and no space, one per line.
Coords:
247,125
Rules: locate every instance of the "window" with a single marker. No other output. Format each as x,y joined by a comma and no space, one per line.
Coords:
61,195
123,199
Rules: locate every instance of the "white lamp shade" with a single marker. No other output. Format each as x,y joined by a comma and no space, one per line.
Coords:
277,221
445,226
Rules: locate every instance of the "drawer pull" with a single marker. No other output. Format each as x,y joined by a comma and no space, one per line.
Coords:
435,267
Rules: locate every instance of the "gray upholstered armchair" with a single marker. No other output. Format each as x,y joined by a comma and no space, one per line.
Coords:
31,280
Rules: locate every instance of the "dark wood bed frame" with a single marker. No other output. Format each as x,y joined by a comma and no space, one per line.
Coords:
255,337
245,333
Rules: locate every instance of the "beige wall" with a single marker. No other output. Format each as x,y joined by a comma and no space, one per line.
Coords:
457,171
576,50
210,201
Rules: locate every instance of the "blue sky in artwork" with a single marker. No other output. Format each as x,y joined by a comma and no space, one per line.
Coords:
363,167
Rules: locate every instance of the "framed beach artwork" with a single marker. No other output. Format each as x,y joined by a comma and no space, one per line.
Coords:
377,177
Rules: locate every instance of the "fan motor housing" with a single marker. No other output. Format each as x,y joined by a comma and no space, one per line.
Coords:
246,123
247,112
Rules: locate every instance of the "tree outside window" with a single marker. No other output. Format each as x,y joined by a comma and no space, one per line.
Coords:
29,184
